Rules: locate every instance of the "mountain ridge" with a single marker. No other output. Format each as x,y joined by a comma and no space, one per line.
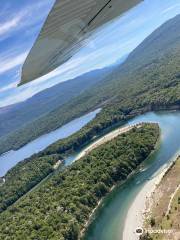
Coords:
14,116
153,83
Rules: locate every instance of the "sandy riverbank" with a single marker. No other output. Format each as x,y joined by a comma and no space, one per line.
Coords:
136,213
108,137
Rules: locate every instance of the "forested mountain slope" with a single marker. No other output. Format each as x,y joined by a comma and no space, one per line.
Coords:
14,116
159,43
148,80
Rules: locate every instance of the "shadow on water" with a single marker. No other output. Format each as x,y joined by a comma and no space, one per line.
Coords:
109,219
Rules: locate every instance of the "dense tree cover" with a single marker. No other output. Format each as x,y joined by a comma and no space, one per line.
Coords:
23,177
154,84
17,115
148,80
40,126
91,131
28,173
59,208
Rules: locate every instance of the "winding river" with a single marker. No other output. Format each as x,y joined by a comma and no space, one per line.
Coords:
110,218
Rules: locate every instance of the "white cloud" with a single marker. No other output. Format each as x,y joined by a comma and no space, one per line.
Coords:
100,55
9,25
76,66
23,18
118,39
9,86
11,62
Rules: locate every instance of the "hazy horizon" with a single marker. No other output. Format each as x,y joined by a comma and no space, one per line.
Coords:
104,48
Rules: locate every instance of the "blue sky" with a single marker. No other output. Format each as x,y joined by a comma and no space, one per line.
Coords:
21,21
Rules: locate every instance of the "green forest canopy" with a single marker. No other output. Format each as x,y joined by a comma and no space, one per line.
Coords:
60,207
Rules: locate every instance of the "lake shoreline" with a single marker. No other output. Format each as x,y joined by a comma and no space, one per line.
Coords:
135,113
12,158
115,126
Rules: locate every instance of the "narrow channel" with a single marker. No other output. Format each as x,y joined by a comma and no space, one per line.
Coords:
110,218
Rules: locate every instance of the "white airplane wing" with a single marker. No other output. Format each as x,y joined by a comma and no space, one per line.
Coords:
67,25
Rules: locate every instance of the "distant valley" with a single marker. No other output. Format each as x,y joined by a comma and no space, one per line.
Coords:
15,116
147,80
58,202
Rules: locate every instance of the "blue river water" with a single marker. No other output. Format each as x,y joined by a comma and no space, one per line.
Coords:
11,158
109,220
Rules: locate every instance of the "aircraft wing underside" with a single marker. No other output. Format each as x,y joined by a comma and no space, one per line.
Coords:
67,25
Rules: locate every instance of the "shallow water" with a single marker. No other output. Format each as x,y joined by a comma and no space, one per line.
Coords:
110,218
11,158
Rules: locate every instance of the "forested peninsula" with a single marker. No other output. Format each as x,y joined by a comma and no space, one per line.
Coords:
148,80
61,207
